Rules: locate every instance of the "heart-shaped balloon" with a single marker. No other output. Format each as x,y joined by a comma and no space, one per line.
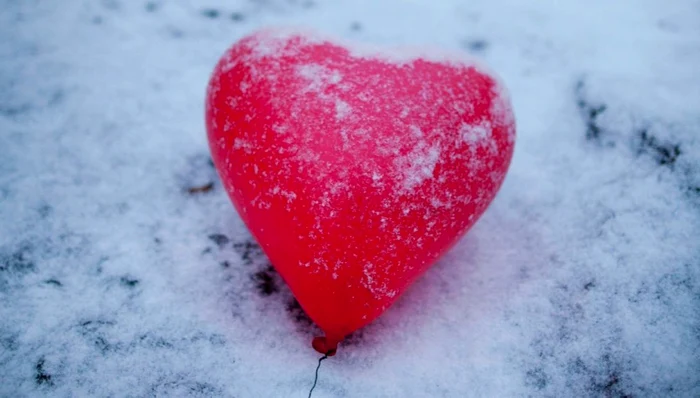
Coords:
354,168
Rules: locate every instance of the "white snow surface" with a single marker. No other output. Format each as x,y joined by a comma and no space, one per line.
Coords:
123,274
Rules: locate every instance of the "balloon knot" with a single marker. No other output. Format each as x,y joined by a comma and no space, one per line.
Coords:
324,346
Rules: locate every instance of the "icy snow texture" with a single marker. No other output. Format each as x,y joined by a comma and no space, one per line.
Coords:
124,272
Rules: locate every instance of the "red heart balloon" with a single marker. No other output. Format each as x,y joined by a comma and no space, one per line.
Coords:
354,169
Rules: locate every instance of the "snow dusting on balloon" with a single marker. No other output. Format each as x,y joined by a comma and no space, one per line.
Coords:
354,168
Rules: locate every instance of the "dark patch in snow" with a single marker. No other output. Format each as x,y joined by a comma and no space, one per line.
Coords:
100,262
664,153
589,285
216,339
128,282
151,6
297,313
475,46
590,113
236,17
669,287
211,13
9,342
44,211
199,176
248,250
200,189
40,376
149,340
684,279
93,331
96,20
536,378
266,281
54,282
355,26
220,239
102,344
19,260
14,110
695,189
603,378
610,386
56,97
92,326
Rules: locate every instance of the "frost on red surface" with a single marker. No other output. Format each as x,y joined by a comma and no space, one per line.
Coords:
354,170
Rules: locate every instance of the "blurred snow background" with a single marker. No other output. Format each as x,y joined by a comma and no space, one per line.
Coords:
124,270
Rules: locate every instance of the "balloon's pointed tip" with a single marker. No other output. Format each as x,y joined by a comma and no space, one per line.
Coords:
324,346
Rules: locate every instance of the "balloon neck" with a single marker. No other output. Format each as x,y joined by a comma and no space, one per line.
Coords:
325,345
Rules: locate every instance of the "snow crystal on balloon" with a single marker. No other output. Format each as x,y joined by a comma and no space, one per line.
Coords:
342,109
418,165
280,128
289,195
318,76
416,131
475,133
371,283
247,146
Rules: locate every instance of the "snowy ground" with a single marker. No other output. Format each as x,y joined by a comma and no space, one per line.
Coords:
116,279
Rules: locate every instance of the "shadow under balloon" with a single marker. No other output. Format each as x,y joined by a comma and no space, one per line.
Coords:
419,302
